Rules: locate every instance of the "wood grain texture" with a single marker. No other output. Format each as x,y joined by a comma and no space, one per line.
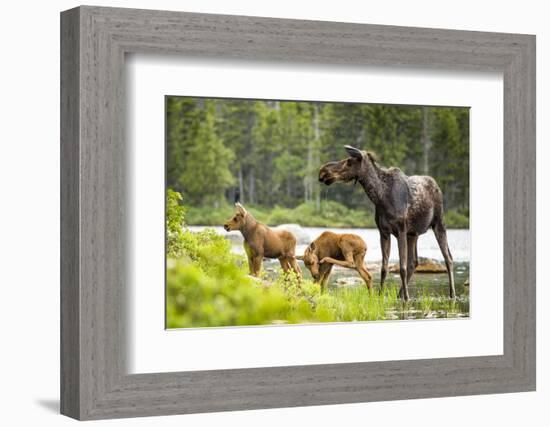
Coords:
94,382
70,292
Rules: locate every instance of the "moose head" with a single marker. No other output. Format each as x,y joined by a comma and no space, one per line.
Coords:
237,221
349,169
311,260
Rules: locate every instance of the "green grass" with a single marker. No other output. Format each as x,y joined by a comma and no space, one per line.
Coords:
331,214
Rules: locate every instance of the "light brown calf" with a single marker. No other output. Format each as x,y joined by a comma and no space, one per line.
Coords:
261,241
346,250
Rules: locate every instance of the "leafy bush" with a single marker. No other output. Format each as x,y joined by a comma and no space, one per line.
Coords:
175,221
200,215
207,285
330,214
456,219
196,298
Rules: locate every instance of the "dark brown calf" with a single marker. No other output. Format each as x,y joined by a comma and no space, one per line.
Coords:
261,241
346,250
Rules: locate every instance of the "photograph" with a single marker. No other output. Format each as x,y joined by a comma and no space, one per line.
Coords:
277,214
295,212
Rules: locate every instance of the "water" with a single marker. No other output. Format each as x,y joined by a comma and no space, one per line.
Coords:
459,242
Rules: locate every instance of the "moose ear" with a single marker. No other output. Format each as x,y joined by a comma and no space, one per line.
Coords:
312,246
240,208
299,257
354,152
372,157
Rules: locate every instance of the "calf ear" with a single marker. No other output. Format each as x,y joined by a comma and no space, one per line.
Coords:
354,152
312,246
299,257
240,208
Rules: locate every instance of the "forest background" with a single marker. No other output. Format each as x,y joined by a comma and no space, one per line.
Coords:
267,154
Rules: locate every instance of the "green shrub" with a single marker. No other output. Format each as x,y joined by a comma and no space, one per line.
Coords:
330,214
456,219
208,285
197,299
175,221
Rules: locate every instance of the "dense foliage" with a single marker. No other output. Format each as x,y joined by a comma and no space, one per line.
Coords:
269,152
207,285
331,214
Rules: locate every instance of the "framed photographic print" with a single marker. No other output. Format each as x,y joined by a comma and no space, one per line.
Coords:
346,212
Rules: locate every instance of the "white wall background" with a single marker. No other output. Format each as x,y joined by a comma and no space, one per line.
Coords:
29,214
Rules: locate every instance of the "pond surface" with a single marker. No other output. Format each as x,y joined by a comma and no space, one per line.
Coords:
459,241
428,292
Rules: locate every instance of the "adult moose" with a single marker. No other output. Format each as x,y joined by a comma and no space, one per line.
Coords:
405,206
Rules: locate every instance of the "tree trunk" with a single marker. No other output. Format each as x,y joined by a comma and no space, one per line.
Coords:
251,189
288,187
315,187
306,189
426,143
251,176
241,184
308,184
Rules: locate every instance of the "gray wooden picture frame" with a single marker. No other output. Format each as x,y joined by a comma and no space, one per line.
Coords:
94,381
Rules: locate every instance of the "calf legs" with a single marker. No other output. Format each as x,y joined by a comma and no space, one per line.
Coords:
347,263
363,272
355,262
290,263
324,274
256,266
285,265
294,265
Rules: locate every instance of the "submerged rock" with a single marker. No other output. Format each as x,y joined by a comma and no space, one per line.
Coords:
431,267
349,281
372,266
424,266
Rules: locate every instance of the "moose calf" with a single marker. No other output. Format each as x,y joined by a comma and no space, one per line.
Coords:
346,250
261,241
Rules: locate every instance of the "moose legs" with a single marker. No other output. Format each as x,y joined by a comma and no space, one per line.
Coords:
412,256
294,265
255,265
441,236
402,241
363,272
353,261
290,263
324,274
385,245
403,245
